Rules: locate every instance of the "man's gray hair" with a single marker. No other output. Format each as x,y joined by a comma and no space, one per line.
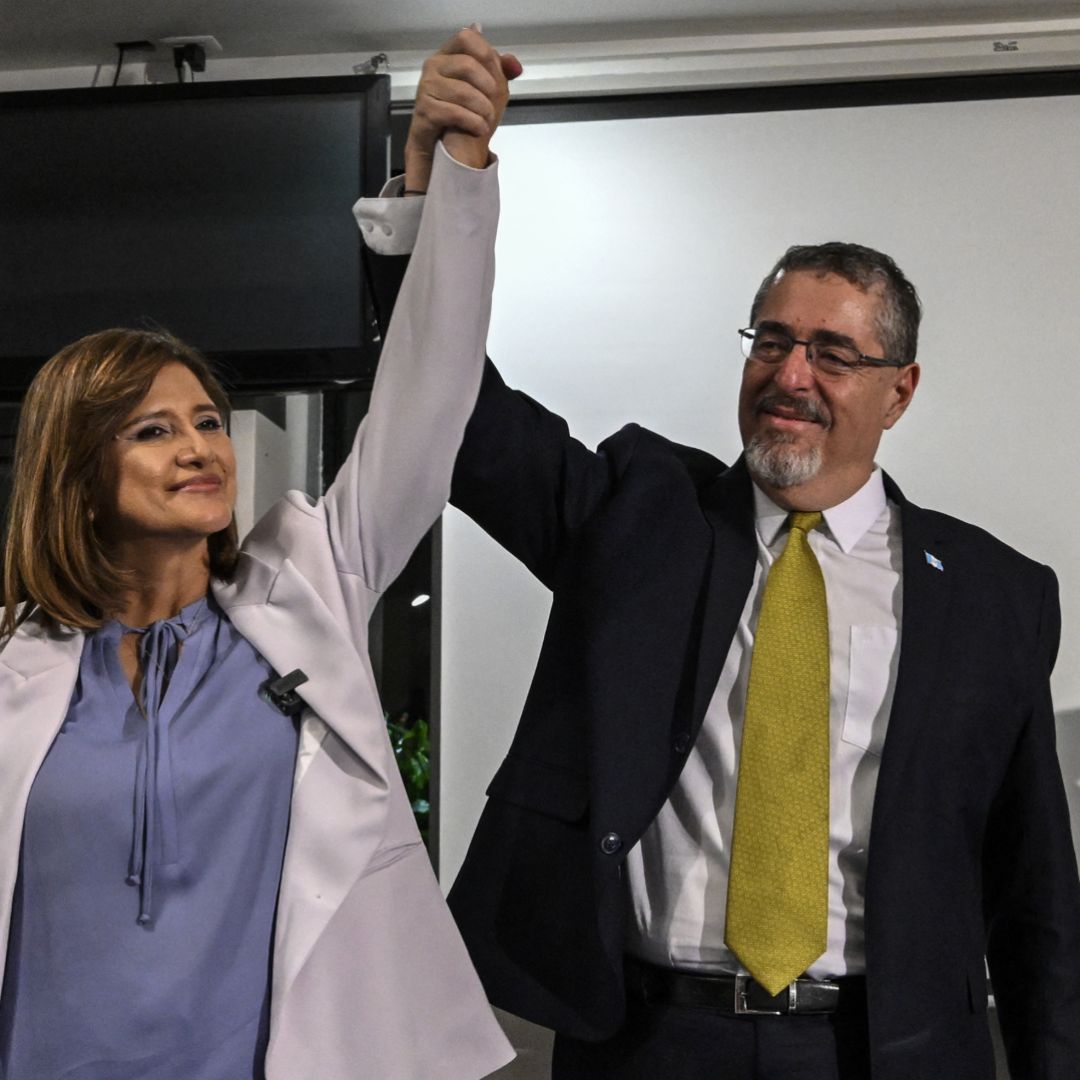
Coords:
900,313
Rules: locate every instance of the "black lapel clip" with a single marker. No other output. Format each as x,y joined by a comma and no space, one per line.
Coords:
281,693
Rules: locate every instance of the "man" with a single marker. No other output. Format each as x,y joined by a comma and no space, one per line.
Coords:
785,777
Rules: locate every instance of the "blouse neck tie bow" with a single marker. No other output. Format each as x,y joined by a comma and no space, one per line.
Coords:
155,838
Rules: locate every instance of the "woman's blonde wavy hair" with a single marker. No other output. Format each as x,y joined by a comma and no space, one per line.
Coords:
55,560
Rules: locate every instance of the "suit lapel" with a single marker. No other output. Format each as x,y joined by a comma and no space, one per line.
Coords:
729,506
927,586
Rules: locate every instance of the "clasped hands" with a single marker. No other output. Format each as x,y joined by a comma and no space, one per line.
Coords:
460,98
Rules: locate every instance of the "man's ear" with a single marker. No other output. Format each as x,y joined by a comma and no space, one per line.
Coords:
903,390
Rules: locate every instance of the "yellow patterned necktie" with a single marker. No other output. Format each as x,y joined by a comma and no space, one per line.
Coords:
777,905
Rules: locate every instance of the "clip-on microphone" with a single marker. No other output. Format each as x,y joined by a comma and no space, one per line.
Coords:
281,693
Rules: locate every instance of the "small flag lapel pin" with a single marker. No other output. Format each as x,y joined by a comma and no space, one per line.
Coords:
934,561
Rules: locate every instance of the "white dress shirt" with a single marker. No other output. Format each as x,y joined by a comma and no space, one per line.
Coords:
678,873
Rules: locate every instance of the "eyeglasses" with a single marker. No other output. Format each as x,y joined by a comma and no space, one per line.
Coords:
768,345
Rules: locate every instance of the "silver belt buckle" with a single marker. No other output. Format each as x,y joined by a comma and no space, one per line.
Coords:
742,1008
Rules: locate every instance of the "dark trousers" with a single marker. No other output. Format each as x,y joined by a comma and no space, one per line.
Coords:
670,1042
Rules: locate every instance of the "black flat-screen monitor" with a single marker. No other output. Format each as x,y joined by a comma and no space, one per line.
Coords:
220,211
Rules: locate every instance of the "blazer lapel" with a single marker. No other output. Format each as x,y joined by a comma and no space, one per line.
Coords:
38,668
341,787
729,506
285,618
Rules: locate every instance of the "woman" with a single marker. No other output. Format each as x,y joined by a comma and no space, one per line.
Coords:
195,883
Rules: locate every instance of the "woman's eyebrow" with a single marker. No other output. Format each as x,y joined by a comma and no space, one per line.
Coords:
156,415
159,414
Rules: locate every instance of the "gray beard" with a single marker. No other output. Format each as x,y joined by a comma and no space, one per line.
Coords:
777,462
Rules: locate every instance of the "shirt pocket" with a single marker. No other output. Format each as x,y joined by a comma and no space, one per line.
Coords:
871,681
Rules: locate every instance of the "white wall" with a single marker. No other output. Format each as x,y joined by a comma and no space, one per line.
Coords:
271,460
628,254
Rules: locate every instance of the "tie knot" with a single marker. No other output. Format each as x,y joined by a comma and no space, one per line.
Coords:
806,521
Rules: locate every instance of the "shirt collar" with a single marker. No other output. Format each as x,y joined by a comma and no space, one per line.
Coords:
848,521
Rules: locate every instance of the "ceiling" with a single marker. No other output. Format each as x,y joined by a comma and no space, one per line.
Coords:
39,34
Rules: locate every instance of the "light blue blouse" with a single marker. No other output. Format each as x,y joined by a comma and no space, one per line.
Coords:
143,918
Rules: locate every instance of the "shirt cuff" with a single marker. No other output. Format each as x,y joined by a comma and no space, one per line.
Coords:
389,224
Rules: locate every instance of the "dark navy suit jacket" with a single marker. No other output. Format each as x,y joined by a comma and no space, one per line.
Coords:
648,548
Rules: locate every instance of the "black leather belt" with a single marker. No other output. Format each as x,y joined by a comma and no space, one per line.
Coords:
740,995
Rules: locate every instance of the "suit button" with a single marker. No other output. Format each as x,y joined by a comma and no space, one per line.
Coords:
682,742
611,843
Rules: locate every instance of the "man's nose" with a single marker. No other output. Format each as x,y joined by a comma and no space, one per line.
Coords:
795,372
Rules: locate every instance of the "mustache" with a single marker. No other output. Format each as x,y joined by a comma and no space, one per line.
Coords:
802,408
